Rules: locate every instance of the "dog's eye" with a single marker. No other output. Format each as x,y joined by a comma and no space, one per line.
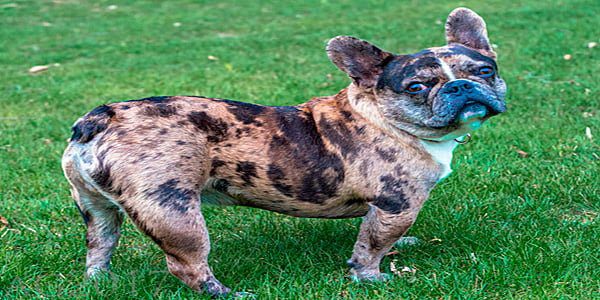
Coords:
416,88
485,72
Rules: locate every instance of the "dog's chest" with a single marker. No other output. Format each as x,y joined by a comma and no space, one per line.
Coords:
441,152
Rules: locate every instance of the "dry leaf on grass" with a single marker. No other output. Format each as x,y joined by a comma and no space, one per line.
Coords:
588,133
567,56
37,69
435,241
3,222
522,153
592,45
210,57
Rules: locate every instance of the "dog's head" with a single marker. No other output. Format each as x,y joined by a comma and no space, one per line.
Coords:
439,93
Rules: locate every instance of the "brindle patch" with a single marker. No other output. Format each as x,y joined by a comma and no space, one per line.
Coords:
159,110
216,129
101,176
246,113
93,123
221,185
216,163
169,195
277,176
391,197
247,171
386,154
318,170
339,134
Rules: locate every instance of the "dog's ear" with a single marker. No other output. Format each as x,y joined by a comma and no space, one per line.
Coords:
362,61
467,28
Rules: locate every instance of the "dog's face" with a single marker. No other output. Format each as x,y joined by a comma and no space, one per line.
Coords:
439,93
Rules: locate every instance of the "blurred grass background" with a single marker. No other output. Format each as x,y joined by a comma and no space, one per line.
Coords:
517,219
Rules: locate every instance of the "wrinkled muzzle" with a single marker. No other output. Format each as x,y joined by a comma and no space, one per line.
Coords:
465,101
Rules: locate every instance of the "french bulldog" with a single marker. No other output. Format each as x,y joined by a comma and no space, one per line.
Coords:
374,150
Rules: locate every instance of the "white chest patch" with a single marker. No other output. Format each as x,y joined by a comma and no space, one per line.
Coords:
441,152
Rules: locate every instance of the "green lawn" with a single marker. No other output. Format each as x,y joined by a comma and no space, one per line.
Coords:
504,225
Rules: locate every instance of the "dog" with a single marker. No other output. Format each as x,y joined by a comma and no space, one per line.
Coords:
374,150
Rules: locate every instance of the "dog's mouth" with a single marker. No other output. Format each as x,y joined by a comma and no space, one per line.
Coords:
473,114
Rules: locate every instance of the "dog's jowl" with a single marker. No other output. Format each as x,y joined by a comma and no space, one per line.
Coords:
376,149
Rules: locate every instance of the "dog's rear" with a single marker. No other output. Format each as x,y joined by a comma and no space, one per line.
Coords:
108,173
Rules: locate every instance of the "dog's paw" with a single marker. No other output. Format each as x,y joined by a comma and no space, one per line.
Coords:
215,288
97,273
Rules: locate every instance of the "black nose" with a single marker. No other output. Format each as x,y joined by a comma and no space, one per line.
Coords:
458,87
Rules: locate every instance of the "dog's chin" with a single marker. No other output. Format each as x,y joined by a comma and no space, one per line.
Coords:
470,118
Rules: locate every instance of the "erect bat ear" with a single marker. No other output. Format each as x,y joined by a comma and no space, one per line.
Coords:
362,61
467,28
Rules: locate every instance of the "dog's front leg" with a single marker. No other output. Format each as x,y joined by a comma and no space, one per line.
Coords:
378,232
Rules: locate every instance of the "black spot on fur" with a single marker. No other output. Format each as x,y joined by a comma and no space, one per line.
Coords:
347,115
102,176
386,154
340,135
246,113
216,163
180,142
158,109
169,195
155,99
247,170
125,107
215,129
163,131
221,185
318,170
93,123
102,111
391,197
277,176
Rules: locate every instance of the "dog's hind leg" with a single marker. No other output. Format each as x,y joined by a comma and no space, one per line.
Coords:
170,214
102,217
103,222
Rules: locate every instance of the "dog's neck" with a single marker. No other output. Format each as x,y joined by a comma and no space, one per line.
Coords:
364,104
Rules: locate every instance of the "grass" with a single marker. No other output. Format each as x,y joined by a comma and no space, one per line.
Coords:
502,226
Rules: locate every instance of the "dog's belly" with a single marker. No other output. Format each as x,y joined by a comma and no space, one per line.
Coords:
333,209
